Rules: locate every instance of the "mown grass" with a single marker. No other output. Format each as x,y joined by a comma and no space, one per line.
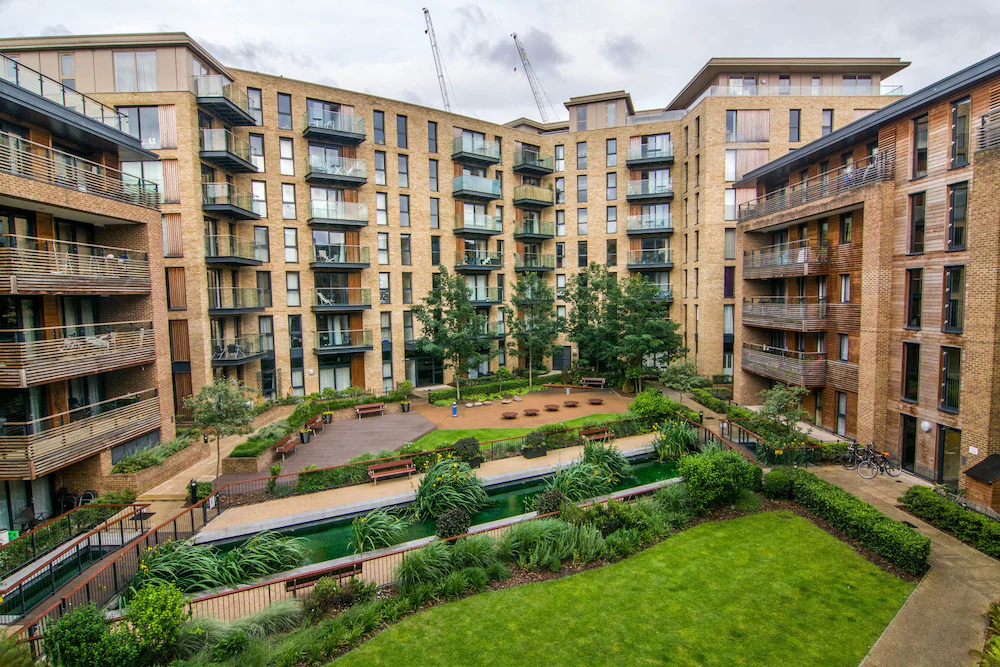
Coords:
766,589
446,437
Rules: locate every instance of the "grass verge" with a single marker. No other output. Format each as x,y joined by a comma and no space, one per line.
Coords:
446,437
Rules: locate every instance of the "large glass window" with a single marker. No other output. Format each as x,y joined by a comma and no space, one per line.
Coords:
435,213
794,125
581,254
920,147
404,250
827,126
383,248
291,245
951,378
144,124
379,126
917,221
958,208
560,223
288,201
404,210
381,208
432,137
256,97
560,158
911,372
293,293
581,155
560,190
286,153
914,297
135,71
581,188
581,221
612,220
612,186
284,111
257,152
401,138
432,174
379,167
404,171
612,152
954,298
960,115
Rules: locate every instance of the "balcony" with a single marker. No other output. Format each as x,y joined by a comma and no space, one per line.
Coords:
495,330
533,261
342,342
237,300
221,96
31,449
478,260
753,90
229,250
648,155
224,149
30,357
37,162
645,117
339,256
344,171
533,196
324,213
798,258
532,163
338,299
474,224
665,293
534,230
476,188
988,131
333,126
649,224
795,313
802,369
874,169
30,265
228,200
479,152
485,296
842,376
650,190
242,350
655,259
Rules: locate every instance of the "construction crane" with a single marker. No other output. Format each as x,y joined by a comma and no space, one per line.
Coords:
536,87
437,60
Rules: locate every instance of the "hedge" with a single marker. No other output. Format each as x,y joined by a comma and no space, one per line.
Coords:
717,477
973,528
262,440
714,404
480,389
722,379
721,393
891,539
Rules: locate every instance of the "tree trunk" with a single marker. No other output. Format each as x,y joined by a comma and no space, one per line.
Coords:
458,389
530,367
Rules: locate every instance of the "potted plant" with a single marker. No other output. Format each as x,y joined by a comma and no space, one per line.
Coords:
534,445
327,416
468,450
405,405
305,435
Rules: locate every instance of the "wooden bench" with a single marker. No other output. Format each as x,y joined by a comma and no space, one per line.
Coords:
599,433
530,412
369,408
286,445
316,423
378,471
571,404
593,382
310,579
595,401
509,415
551,407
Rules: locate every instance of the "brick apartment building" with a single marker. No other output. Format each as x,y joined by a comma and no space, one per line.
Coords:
870,277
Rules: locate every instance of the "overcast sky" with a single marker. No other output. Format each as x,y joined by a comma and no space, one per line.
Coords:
577,47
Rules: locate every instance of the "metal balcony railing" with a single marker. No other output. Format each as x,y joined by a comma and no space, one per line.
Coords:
535,159
226,193
334,121
224,245
487,187
338,210
665,292
216,85
533,193
534,228
858,90
649,222
331,340
45,164
656,151
338,166
241,348
642,118
481,147
533,260
477,258
340,254
805,369
218,140
36,262
650,187
475,222
238,298
651,256
792,257
988,131
486,294
495,329
344,297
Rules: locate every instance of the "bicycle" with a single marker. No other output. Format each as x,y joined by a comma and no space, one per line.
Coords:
879,462
850,459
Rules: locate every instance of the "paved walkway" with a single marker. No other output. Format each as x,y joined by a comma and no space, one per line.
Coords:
946,615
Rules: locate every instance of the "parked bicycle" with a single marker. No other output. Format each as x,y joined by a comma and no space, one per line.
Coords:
852,456
875,462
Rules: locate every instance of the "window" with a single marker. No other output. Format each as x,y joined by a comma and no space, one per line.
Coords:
697,132
748,125
407,326
295,340
135,71
560,190
581,188
258,196
581,155
383,248
256,98
379,123
264,288
827,125
381,208
432,137
794,125
920,147
960,112
152,171
954,298
560,223
612,152
401,140
729,244
911,372
404,210
293,294
498,177
284,111
384,294
432,174
841,407
257,152
581,221
407,287
846,228
581,118
958,203
581,254
67,70
696,283
287,157
612,216
730,165
261,245
435,213
404,171
860,84
379,167
914,297
728,282
612,114
731,208
291,244
612,186
560,285
176,289
697,246
697,170
917,212
404,250
435,251
561,312
560,254
560,158
612,252
288,201
144,124
385,321
845,287
951,378
842,347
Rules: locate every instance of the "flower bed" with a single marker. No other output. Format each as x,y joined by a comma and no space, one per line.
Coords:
150,477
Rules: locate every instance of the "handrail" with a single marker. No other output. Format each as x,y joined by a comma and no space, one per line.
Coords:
223,193
220,139
483,147
343,338
646,221
786,353
334,120
216,85
338,210
534,260
338,166
650,186
40,243
533,159
340,253
650,151
68,416
478,221
536,227
38,334
227,245
650,256
232,298
535,192
789,300
342,296
487,186
755,90
493,294
479,258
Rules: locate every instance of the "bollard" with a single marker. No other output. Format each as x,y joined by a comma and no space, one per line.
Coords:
701,416
454,408
193,488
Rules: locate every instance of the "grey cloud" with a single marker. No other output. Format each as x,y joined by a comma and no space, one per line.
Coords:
412,97
621,50
543,52
260,56
51,30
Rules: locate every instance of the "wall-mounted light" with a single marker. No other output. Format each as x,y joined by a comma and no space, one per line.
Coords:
925,427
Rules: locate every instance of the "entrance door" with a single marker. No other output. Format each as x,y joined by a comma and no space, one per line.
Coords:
949,456
908,441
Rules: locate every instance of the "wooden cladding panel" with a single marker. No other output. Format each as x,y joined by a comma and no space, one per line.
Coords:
842,376
804,373
180,348
176,288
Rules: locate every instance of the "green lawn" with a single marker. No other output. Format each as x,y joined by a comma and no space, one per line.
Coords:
446,437
767,589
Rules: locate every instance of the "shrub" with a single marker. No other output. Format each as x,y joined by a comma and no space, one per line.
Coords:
264,439
777,484
452,523
329,594
280,616
150,457
453,585
230,646
722,379
588,544
13,654
674,439
533,440
674,504
538,545
976,529
609,458
721,393
77,638
714,404
155,616
498,572
426,565
447,485
476,391
621,543
477,577
580,481
549,501
474,551
832,451
715,477
466,449
375,530
891,539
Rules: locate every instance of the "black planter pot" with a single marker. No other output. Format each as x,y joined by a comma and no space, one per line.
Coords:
406,407
327,419
305,437
533,452
476,462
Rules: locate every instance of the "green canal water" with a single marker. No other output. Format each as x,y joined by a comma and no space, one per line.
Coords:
332,540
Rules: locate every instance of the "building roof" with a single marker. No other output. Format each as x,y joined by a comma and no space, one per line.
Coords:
709,74
868,126
602,97
986,471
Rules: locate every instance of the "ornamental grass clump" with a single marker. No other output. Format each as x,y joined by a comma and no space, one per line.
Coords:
674,439
447,485
580,481
610,458
379,528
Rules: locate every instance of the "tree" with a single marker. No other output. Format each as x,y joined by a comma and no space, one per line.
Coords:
592,320
646,333
535,324
224,407
783,404
680,377
453,329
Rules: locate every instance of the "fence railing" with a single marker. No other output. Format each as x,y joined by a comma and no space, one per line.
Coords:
243,347
535,228
651,256
332,340
237,298
534,260
474,146
478,223
650,187
487,187
533,193
491,294
341,296
226,194
225,245
535,159
806,369
650,151
219,140
768,453
754,90
649,222
340,254
484,258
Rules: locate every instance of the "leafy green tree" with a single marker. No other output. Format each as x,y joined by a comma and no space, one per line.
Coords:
535,324
452,328
783,404
155,616
646,331
592,321
225,408
680,377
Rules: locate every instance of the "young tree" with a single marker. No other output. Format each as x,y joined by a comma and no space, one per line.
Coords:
535,324
452,328
592,319
646,331
224,407
680,377
783,404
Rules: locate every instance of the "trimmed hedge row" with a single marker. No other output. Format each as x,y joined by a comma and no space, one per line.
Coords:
714,404
980,531
480,389
891,539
